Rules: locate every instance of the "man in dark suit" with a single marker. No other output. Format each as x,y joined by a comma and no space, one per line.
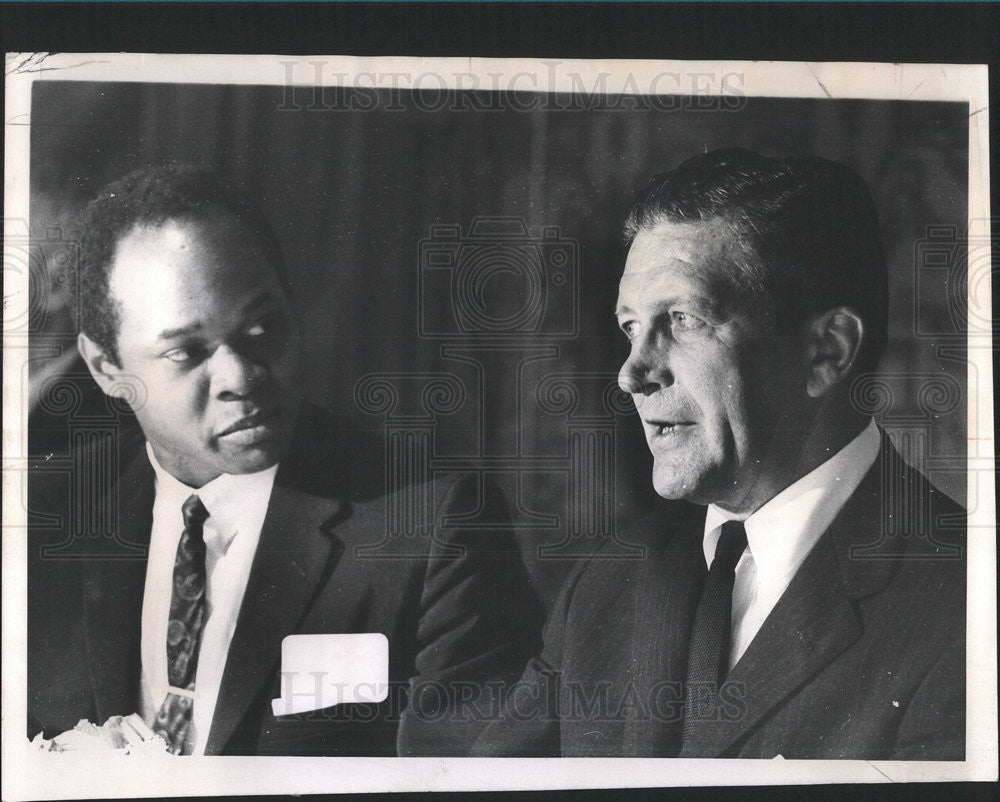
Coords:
237,515
813,604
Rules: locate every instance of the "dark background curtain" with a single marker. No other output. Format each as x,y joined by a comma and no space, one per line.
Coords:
464,252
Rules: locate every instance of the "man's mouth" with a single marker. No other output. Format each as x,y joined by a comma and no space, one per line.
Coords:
665,427
253,427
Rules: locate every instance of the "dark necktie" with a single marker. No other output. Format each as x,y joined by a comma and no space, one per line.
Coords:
708,658
187,619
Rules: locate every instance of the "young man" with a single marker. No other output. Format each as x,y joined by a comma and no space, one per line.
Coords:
242,515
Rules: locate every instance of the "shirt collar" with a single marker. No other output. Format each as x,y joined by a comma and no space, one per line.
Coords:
782,532
229,498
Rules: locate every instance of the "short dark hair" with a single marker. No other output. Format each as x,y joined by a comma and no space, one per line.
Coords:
151,197
809,229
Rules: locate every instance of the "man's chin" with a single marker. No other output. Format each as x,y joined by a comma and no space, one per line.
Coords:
252,460
674,483
670,486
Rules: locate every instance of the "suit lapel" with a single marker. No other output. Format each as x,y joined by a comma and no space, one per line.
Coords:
113,593
666,596
296,552
294,557
812,623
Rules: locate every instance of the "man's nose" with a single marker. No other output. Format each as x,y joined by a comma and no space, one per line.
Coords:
646,370
234,373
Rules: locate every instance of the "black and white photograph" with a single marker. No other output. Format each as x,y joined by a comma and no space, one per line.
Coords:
359,409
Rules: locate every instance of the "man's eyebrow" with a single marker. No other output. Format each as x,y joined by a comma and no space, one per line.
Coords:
696,303
263,300
182,331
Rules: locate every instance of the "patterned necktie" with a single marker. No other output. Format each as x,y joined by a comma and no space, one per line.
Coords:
709,652
187,618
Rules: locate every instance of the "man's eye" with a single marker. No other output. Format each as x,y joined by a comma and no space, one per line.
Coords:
275,325
187,354
180,355
683,322
630,327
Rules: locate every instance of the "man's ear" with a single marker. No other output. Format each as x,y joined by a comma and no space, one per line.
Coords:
105,372
834,338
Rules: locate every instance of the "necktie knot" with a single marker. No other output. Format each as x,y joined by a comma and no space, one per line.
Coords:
732,543
194,511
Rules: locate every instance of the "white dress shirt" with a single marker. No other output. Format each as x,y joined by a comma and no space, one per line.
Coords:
782,532
236,507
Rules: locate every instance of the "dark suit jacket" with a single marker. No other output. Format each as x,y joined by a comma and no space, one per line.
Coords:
863,656
463,592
